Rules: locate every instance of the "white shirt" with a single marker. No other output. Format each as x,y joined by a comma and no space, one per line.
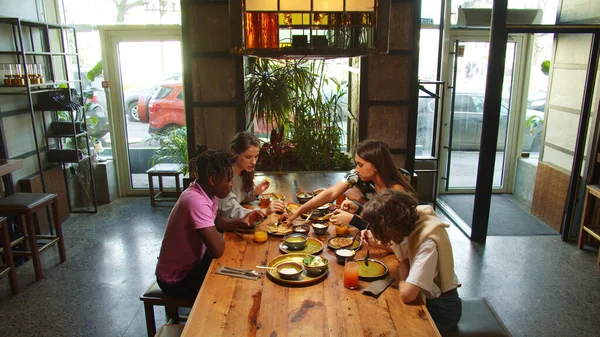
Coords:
424,270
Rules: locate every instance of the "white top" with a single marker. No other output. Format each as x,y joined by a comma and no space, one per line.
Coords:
237,190
424,270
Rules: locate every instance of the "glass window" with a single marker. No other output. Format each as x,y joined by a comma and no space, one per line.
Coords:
180,96
431,11
162,92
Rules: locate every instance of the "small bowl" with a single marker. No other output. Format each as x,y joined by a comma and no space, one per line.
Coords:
295,241
319,190
315,271
320,228
321,210
302,229
287,266
304,196
341,256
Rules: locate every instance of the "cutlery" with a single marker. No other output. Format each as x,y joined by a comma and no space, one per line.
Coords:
265,267
241,271
367,258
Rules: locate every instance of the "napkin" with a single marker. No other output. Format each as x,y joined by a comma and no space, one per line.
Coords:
235,273
377,287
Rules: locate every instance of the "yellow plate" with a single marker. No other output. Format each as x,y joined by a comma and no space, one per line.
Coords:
356,245
275,196
313,246
303,280
375,270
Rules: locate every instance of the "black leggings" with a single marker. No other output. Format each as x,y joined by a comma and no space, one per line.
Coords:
445,310
190,285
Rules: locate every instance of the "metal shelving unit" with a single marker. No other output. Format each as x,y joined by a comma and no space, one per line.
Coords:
32,45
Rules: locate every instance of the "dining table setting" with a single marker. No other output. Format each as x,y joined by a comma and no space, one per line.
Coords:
307,278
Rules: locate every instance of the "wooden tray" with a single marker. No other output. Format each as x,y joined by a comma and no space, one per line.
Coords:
304,280
355,246
313,246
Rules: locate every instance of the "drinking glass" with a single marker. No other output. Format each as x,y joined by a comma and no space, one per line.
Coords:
351,273
265,200
342,230
260,233
340,199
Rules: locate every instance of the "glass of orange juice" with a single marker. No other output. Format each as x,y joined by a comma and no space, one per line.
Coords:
342,230
260,234
340,199
351,273
265,200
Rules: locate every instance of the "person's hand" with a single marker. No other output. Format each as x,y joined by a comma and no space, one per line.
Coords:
367,237
262,186
253,217
341,218
355,195
275,206
349,206
288,218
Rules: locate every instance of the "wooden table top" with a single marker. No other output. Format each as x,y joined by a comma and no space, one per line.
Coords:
230,306
10,165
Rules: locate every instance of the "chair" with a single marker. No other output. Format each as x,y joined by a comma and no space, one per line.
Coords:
160,171
154,296
27,206
478,320
7,256
170,330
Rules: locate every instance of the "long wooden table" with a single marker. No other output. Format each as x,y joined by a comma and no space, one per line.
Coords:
230,306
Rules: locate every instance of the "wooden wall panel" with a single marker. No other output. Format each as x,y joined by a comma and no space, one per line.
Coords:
401,26
215,127
389,77
213,79
551,186
211,31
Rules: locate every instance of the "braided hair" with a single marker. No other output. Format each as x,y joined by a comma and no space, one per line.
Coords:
211,163
392,215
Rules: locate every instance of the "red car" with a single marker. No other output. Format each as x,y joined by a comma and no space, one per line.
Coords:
165,108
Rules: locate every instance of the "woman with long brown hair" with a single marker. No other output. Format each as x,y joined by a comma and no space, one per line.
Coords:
245,146
375,172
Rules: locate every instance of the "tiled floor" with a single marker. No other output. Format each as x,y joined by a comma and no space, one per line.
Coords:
539,285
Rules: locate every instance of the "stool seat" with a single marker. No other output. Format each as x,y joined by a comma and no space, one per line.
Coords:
7,255
155,296
25,201
170,330
160,171
478,320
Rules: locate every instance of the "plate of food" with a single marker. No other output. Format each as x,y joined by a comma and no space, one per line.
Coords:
374,271
341,241
275,196
313,246
279,228
322,213
304,279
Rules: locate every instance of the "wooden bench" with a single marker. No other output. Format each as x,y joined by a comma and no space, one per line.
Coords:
170,330
478,320
587,228
154,296
160,171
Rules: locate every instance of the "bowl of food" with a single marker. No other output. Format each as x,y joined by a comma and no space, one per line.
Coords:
342,254
319,190
295,241
321,210
304,196
302,229
289,270
315,265
320,228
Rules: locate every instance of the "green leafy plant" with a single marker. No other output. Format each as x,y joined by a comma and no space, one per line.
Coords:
276,154
533,122
545,67
172,147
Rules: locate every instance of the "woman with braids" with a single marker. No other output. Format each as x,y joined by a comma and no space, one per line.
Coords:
375,172
418,238
193,234
245,147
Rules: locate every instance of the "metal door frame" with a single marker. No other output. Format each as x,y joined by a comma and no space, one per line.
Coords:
110,37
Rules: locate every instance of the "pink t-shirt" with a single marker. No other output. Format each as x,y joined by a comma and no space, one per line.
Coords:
182,246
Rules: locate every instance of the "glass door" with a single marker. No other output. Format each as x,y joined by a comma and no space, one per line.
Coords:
146,94
462,126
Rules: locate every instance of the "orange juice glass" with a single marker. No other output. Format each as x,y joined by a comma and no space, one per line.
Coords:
260,234
351,274
342,230
265,200
340,199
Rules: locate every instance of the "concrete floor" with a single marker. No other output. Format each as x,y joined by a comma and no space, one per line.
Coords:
539,285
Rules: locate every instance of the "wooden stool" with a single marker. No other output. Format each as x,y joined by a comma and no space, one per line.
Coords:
170,330
160,171
27,205
478,320
587,229
154,296
9,262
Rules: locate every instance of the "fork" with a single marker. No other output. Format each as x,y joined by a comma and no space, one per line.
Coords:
243,272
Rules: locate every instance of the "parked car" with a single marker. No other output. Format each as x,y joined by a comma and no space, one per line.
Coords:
468,116
131,97
166,107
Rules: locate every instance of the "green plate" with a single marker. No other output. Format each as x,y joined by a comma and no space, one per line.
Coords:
313,246
303,280
375,270
355,246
